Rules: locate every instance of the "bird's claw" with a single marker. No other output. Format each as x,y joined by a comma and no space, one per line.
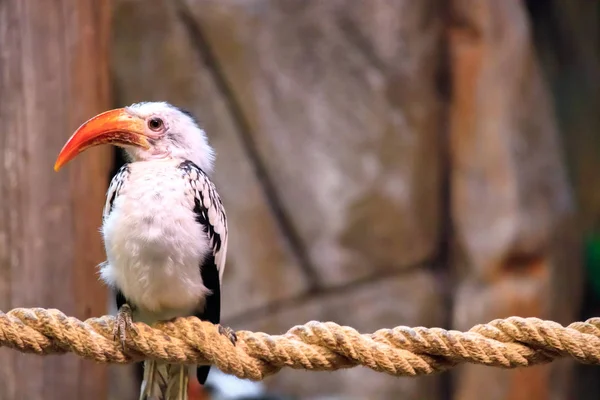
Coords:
124,323
229,333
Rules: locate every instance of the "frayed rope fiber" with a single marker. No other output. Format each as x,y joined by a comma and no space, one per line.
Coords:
318,346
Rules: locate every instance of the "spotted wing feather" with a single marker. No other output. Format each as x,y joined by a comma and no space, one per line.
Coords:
210,214
209,211
112,193
114,189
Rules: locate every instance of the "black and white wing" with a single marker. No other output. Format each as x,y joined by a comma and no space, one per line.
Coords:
210,213
114,189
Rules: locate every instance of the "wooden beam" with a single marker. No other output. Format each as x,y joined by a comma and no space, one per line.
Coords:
53,76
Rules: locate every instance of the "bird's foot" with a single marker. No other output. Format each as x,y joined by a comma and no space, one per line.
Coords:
229,333
124,323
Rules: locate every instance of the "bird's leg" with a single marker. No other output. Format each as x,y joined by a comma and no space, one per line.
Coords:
123,323
229,333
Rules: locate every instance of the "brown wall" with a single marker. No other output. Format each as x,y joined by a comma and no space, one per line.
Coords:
53,75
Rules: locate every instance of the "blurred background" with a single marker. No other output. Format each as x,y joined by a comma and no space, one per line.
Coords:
382,163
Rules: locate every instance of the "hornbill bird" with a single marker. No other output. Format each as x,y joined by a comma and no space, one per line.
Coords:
164,227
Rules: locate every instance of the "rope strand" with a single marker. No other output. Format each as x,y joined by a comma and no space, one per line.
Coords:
318,346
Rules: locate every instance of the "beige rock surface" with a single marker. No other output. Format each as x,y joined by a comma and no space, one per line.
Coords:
512,204
342,106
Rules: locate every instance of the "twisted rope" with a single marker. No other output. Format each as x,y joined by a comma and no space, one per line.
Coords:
318,346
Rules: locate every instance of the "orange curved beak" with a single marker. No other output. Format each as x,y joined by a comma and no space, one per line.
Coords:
117,127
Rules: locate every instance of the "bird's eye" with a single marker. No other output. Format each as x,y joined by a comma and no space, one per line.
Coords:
155,124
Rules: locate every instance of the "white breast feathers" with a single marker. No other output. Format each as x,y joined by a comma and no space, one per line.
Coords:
154,244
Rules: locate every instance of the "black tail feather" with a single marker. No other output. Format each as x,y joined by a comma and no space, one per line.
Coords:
202,373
